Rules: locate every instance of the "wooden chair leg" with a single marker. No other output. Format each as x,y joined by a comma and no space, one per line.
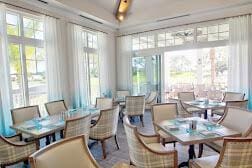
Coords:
103,148
61,134
174,144
201,148
54,137
141,119
116,142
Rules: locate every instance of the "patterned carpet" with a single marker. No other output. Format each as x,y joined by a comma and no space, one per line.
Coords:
114,155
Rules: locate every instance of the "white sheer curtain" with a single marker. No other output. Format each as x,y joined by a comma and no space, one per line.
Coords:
78,64
240,64
56,58
5,100
124,55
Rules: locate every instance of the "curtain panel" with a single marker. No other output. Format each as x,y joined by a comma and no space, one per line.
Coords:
240,60
5,99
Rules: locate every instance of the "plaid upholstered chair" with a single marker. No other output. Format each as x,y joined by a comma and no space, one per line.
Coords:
188,96
70,152
233,96
105,127
12,150
135,107
161,112
23,114
151,100
55,107
236,152
236,119
240,103
78,126
103,103
146,151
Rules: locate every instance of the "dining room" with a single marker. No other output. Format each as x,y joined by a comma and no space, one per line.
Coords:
106,84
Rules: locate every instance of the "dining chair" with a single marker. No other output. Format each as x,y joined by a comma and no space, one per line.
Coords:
23,114
105,127
233,96
135,107
240,103
162,112
151,99
236,119
189,96
78,126
55,107
69,152
103,103
122,93
12,150
146,151
236,152
181,110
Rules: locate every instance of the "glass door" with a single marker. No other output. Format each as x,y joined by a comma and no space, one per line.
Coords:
146,74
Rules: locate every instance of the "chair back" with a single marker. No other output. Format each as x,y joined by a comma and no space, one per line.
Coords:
135,105
106,125
70,152
186,96
152,96
103,103
241,104
237,119
236,152
165,111
122,93
56,107
22,114
233,96
78,126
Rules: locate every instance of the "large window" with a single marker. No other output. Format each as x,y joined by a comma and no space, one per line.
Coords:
27,59
91,51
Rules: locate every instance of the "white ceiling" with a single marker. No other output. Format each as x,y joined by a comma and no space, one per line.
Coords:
148,11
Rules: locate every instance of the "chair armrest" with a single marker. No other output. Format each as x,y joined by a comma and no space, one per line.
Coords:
149,138
14,138
152,101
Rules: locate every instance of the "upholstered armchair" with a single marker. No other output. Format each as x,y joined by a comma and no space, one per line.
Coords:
12,150
55,107
135,107
151,100
146,151
70,152
236,152
236,119
23,114
103,103
105,127
188,96
78,126
161,112
240,103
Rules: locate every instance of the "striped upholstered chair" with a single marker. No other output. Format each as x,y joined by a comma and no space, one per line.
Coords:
12,150
161,112
238,103
145,151
236,152
103,103
233,96
78,126
55,107
70,152
105,127
236,119
135,107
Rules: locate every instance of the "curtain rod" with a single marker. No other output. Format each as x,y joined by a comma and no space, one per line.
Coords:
88,27
28,9
181,25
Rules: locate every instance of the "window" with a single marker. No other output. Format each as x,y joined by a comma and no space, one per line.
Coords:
143,42
27,60
213,33
91,51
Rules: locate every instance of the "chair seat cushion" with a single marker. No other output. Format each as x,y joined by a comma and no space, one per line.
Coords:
167,137
205,162
218,112
216,145
156,147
